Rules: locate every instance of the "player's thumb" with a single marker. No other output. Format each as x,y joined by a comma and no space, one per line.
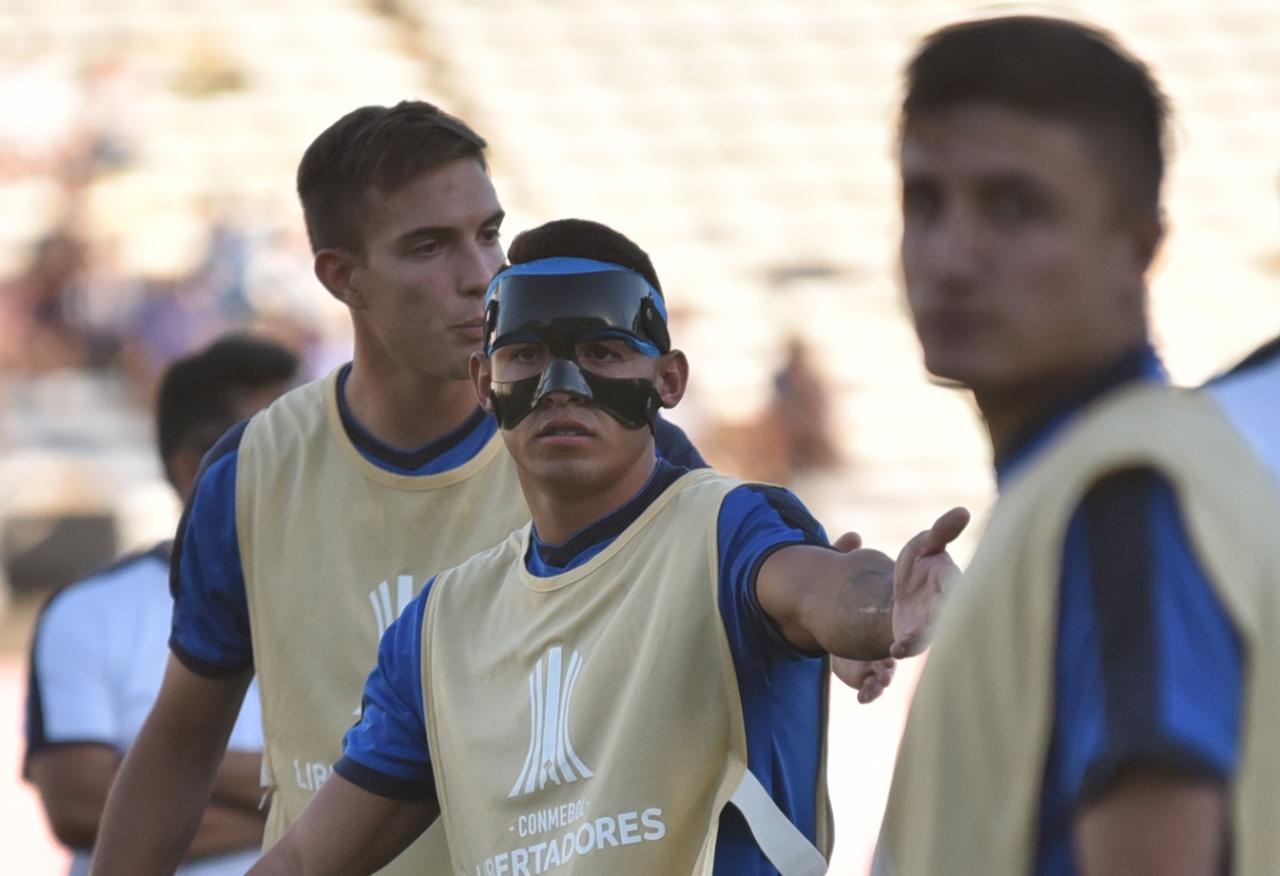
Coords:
946,529
850,541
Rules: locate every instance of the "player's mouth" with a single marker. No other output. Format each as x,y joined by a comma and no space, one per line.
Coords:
564,430
952,323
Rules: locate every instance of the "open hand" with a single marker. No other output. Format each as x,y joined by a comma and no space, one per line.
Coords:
921,576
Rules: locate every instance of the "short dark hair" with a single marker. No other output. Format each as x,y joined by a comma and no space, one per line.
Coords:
199,394
584,239
371,150
1058,69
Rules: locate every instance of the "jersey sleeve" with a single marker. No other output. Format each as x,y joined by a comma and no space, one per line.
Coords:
674,445
1149,668
69,697
754,522
386,752
210,634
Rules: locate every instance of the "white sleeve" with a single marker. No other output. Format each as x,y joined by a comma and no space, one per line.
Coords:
72,699
1252,400
246,735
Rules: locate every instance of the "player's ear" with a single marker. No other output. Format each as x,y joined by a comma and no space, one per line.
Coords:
481,379
336,270
672,377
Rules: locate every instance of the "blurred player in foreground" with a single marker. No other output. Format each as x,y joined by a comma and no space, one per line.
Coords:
1104,687
101,644
636,682
315,524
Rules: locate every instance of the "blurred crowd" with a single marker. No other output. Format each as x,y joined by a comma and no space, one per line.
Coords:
69,298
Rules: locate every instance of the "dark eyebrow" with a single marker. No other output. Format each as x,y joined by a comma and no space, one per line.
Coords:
444,231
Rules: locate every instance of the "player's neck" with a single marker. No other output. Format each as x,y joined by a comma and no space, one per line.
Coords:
562,509
403,409
1015,414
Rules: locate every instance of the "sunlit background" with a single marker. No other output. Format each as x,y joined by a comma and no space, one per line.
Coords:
147,157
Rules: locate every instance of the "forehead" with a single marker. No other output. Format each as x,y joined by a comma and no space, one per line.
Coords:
980,140
458,195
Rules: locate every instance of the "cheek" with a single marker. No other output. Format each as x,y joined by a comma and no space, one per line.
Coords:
496,259
910,257
1048,277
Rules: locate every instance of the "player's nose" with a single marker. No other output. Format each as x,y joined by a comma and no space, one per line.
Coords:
953,250
478,265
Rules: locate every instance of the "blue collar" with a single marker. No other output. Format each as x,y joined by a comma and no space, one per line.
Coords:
393,458
545,560
1141,363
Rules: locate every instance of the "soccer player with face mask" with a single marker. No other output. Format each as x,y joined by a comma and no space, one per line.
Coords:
635,683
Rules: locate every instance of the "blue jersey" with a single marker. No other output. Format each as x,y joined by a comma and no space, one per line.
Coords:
211,616
782,689
1148,669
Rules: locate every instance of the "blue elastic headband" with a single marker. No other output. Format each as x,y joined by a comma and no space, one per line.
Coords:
562,265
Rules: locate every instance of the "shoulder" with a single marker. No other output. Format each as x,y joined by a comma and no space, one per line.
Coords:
299,412
294,414
225,447
674,445
1182,434
773,499
486,565
108,593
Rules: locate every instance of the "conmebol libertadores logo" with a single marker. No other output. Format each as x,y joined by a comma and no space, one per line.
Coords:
551,757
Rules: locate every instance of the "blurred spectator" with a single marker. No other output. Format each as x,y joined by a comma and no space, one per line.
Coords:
46,307
799,411
790,437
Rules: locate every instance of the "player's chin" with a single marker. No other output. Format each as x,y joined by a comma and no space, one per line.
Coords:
568,473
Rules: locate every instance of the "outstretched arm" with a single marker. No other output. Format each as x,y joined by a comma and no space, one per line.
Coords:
155,805
346,830
857,603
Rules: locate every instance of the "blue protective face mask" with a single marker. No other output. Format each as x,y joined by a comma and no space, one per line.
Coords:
560,303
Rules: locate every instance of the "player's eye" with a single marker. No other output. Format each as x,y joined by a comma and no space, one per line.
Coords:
1016,204
491,235
599,352
426,248
921,201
